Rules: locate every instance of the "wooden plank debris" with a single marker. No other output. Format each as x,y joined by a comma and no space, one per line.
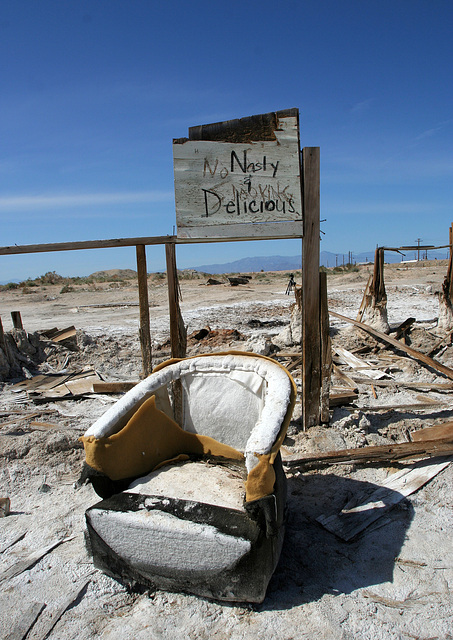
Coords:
403,327
399,345
113,387
349,382
58,335
363,508
27,621
339,398
59,385
12,542
416,406
5,506
366,294
357,363
438,431
31,560
378,453
56,614
427,386
43,426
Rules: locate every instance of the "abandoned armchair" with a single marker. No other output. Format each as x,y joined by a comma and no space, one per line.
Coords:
189,467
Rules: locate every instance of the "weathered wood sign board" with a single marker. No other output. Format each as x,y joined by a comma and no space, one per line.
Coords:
240,172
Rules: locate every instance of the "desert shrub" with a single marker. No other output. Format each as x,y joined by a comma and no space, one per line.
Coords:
66,289
51,277
28,283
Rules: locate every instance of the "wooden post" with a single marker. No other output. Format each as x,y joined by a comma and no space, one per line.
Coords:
326,349
451,239
377,286
311,341
144,331
178,335
17,320
3,345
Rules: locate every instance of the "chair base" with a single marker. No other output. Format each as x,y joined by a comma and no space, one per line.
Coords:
157,542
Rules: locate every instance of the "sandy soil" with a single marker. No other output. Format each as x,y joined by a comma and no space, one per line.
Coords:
394,581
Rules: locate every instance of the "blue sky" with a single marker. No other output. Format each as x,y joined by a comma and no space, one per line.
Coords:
93,92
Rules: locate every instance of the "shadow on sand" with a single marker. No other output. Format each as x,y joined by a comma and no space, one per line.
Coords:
314,561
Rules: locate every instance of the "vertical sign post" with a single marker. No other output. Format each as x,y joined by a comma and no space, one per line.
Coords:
311,340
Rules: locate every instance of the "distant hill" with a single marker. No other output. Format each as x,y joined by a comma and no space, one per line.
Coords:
121,274
258,263
293,263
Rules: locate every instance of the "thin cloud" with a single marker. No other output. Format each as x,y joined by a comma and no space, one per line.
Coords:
361,106
64,201
385,208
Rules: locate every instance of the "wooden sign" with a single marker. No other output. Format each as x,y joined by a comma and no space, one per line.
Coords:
240,172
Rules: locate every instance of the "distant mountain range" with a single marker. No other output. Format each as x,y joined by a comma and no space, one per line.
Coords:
293,263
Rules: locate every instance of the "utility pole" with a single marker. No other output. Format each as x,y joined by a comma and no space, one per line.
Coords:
418,250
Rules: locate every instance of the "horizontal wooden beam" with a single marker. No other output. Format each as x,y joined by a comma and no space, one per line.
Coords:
127,242
84,244
379,453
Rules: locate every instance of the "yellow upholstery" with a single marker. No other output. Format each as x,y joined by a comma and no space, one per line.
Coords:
145,442
261,479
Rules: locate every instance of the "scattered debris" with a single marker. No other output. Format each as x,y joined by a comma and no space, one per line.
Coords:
57,613
57,335
358,364
57,386
399,345
235,281
31,560
26,623
362,510
5,505
380,453
12,542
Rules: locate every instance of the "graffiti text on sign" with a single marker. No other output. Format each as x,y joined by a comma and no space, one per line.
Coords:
265,198
240,164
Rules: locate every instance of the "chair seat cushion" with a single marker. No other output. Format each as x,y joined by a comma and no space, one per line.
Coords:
215,484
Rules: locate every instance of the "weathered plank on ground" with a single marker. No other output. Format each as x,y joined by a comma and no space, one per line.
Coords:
363,508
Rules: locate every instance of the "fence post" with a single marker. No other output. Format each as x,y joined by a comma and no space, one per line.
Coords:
144,331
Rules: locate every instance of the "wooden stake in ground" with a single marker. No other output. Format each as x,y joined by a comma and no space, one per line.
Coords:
375,311
17,320
445,322
145,333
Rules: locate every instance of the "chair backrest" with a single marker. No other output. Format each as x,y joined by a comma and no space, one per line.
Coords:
239,399
223,402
